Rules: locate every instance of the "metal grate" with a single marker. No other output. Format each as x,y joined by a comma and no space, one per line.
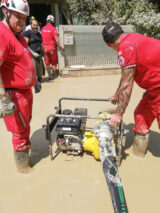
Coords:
88,50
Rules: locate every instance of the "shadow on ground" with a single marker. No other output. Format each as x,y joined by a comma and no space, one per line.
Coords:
40,146
46,79
154,141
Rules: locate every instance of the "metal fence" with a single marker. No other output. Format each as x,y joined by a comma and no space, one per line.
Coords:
85,48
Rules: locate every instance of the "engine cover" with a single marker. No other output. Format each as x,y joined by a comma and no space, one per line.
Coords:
70,131
71,144
68,126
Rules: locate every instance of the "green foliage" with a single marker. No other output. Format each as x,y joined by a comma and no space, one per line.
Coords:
91,11
141,13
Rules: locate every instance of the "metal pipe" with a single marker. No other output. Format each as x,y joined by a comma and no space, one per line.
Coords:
80,116
81,99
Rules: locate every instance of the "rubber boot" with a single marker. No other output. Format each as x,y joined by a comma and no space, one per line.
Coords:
140,144
49,72
22,161
53,71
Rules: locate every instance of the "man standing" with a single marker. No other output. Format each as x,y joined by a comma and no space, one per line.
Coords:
50,39
139,60
17,76
28,27
34,40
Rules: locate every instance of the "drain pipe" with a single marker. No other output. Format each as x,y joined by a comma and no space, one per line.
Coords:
105,136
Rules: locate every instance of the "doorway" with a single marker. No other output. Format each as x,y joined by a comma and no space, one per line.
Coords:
40,12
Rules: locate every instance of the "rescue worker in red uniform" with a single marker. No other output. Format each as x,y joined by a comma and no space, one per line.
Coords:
139,60
50,40
17,76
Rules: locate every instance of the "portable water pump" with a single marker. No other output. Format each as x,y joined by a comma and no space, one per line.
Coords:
72,136
104,142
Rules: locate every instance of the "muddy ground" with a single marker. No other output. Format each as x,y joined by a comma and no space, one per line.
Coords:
77,184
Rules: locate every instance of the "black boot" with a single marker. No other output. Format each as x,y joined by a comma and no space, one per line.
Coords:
49,72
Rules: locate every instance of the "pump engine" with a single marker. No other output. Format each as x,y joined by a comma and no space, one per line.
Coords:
70,131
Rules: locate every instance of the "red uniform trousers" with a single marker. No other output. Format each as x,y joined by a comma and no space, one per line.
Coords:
19,123
50,56
147,110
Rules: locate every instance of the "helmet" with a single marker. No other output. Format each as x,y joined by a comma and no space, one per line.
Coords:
32,18
50,18
20,6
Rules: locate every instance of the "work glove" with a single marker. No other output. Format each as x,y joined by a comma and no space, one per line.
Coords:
7,107
37,87
36,55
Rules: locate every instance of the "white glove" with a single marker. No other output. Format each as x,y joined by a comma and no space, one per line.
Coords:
7,107
36,55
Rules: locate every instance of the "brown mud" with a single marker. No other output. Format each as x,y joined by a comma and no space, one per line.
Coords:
77,184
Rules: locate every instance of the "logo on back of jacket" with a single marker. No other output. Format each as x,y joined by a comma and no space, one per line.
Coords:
46,31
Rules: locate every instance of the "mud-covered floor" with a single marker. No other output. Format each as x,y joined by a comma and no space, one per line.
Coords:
77,184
